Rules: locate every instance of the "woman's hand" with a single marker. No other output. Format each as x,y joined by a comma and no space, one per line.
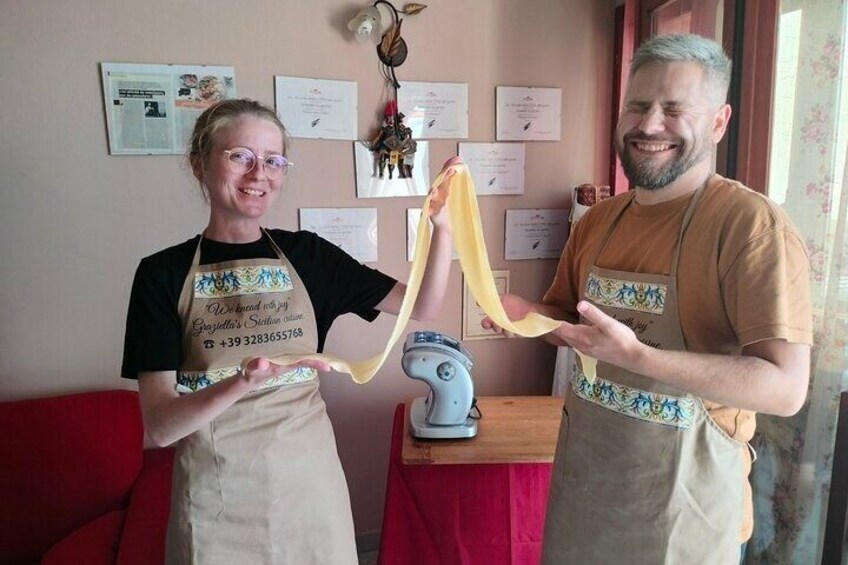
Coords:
260,369
439,214
169,417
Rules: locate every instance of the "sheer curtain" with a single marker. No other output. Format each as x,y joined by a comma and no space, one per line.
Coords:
791,477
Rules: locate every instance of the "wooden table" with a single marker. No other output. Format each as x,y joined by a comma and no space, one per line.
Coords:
513,429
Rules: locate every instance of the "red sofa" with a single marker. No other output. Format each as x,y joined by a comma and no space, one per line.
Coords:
76,485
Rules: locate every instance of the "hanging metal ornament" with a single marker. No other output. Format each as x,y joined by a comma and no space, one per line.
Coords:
392,49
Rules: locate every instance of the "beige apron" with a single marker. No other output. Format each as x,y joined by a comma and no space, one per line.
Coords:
642,474
262,483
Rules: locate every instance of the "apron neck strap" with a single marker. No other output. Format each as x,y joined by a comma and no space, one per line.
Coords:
687,218
195,262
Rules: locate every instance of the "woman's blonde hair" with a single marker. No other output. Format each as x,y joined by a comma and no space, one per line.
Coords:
217,117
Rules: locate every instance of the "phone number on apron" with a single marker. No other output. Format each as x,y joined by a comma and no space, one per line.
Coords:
261,338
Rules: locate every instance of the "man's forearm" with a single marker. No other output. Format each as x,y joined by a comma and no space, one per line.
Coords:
769,376
744,381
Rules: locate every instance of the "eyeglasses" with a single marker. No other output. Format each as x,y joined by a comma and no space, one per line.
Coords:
242,160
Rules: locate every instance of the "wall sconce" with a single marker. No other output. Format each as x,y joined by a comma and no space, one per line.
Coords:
381,24
371,24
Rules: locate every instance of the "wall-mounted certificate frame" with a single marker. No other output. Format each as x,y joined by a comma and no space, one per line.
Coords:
472,314
435,110
369,183
316,108
497,168
353,230
535,234
528,113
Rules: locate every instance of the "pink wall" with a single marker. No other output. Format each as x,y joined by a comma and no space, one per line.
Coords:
74,221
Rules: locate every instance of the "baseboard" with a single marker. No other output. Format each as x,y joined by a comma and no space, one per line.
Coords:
367,541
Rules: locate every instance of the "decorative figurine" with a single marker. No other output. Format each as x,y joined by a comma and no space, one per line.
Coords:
408,148
393,145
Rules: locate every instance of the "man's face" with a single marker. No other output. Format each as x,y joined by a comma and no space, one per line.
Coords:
669,123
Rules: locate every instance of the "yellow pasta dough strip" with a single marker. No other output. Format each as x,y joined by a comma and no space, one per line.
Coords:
589,365
474,260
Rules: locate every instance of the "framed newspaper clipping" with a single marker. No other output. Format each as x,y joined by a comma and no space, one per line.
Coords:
151,109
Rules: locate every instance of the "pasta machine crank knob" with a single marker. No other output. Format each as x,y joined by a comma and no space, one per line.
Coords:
446,371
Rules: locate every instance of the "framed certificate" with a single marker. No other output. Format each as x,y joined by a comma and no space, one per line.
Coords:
535,234
527,113
314,108
497,168
435,109
353,230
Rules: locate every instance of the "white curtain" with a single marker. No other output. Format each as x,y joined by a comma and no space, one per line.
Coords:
791,478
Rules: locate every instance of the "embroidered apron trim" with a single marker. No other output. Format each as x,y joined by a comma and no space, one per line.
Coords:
241,281
197,380
629,295
675,411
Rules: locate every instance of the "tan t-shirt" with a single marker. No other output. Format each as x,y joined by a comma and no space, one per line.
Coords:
743,275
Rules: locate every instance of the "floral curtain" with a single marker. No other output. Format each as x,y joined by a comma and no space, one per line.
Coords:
791,477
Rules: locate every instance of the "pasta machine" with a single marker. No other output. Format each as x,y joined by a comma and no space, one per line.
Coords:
449,410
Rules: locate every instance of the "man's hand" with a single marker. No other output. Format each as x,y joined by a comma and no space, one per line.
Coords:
602,337
515,307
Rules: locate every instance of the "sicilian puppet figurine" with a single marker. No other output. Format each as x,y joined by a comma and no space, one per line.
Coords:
408,147
393,145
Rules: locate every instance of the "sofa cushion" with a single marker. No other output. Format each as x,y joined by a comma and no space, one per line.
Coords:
66,461
143,538
96,543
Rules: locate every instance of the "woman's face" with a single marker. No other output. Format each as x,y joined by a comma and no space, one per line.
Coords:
235,196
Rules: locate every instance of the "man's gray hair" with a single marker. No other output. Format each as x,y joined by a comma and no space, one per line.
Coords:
687,48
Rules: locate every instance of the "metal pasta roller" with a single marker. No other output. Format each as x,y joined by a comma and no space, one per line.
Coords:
445,365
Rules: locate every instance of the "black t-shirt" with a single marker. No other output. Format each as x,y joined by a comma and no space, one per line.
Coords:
337,284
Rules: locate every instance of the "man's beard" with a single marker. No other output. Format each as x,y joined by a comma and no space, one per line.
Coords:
645,174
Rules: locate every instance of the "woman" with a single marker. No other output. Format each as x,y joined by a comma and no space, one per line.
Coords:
257,478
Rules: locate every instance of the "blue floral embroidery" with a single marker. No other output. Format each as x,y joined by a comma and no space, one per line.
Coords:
642,297
642,405
242,281
194,381
197,380
222,283
270,278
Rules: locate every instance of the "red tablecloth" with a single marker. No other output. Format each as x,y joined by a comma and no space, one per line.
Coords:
462,514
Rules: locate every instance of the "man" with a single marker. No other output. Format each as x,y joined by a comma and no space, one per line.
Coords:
692,293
